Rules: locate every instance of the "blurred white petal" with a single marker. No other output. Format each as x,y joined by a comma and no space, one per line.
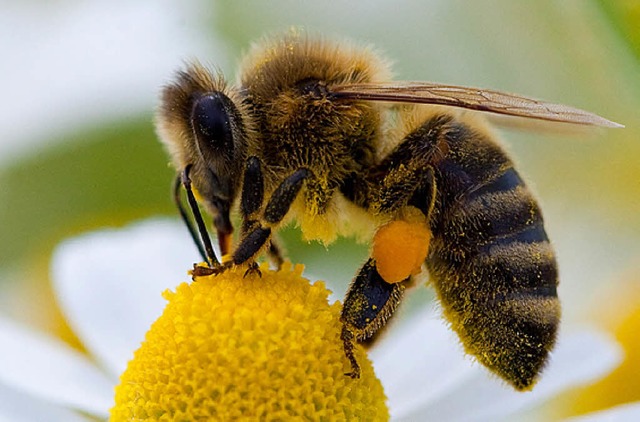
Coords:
47,368
426,374
109,284
19,407
419,361
580,357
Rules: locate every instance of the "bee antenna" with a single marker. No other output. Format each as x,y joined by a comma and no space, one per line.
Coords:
203,241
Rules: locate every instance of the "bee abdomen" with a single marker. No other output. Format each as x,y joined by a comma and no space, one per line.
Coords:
499,212
496,275
511,337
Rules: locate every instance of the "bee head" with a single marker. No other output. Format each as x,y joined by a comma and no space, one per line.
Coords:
218,133
203,125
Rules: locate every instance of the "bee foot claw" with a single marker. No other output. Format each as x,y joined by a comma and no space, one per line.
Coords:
201,271
353,375
253,269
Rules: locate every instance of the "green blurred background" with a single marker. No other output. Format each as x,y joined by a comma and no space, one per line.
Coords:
80,80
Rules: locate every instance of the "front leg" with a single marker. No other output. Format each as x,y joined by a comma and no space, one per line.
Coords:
204,242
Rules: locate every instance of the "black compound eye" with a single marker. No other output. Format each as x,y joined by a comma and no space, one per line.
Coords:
211,122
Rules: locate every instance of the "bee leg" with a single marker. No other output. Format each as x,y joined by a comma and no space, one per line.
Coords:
348,341
284,195
402,187
204,243
252,188
369,303
275,254
257,230
251,202
254,268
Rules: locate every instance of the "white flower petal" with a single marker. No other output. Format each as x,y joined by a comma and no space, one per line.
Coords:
418,362
628,412
109,284
44,367
579,357
19,407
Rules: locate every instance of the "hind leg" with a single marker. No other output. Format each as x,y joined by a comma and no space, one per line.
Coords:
399,250
370,301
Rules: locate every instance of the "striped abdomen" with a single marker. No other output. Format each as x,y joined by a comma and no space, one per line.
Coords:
490,259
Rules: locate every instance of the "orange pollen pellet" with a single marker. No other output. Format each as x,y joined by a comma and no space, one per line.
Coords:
400,248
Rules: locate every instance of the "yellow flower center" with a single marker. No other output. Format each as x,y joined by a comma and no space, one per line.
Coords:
229,348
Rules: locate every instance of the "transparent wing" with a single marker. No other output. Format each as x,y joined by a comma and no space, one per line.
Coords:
470,98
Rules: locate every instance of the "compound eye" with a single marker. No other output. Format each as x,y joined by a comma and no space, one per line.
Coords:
211,123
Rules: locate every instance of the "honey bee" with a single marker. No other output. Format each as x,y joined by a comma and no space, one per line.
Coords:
315,132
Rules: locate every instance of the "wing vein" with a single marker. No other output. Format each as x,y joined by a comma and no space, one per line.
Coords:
469,98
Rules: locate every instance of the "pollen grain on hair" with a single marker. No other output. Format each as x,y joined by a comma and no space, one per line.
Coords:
230,348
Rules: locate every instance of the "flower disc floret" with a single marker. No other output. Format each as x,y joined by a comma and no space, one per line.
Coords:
229,347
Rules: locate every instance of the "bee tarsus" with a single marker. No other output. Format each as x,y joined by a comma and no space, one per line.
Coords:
348,343
202,271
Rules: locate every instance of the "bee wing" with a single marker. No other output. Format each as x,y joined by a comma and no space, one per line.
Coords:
470,98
